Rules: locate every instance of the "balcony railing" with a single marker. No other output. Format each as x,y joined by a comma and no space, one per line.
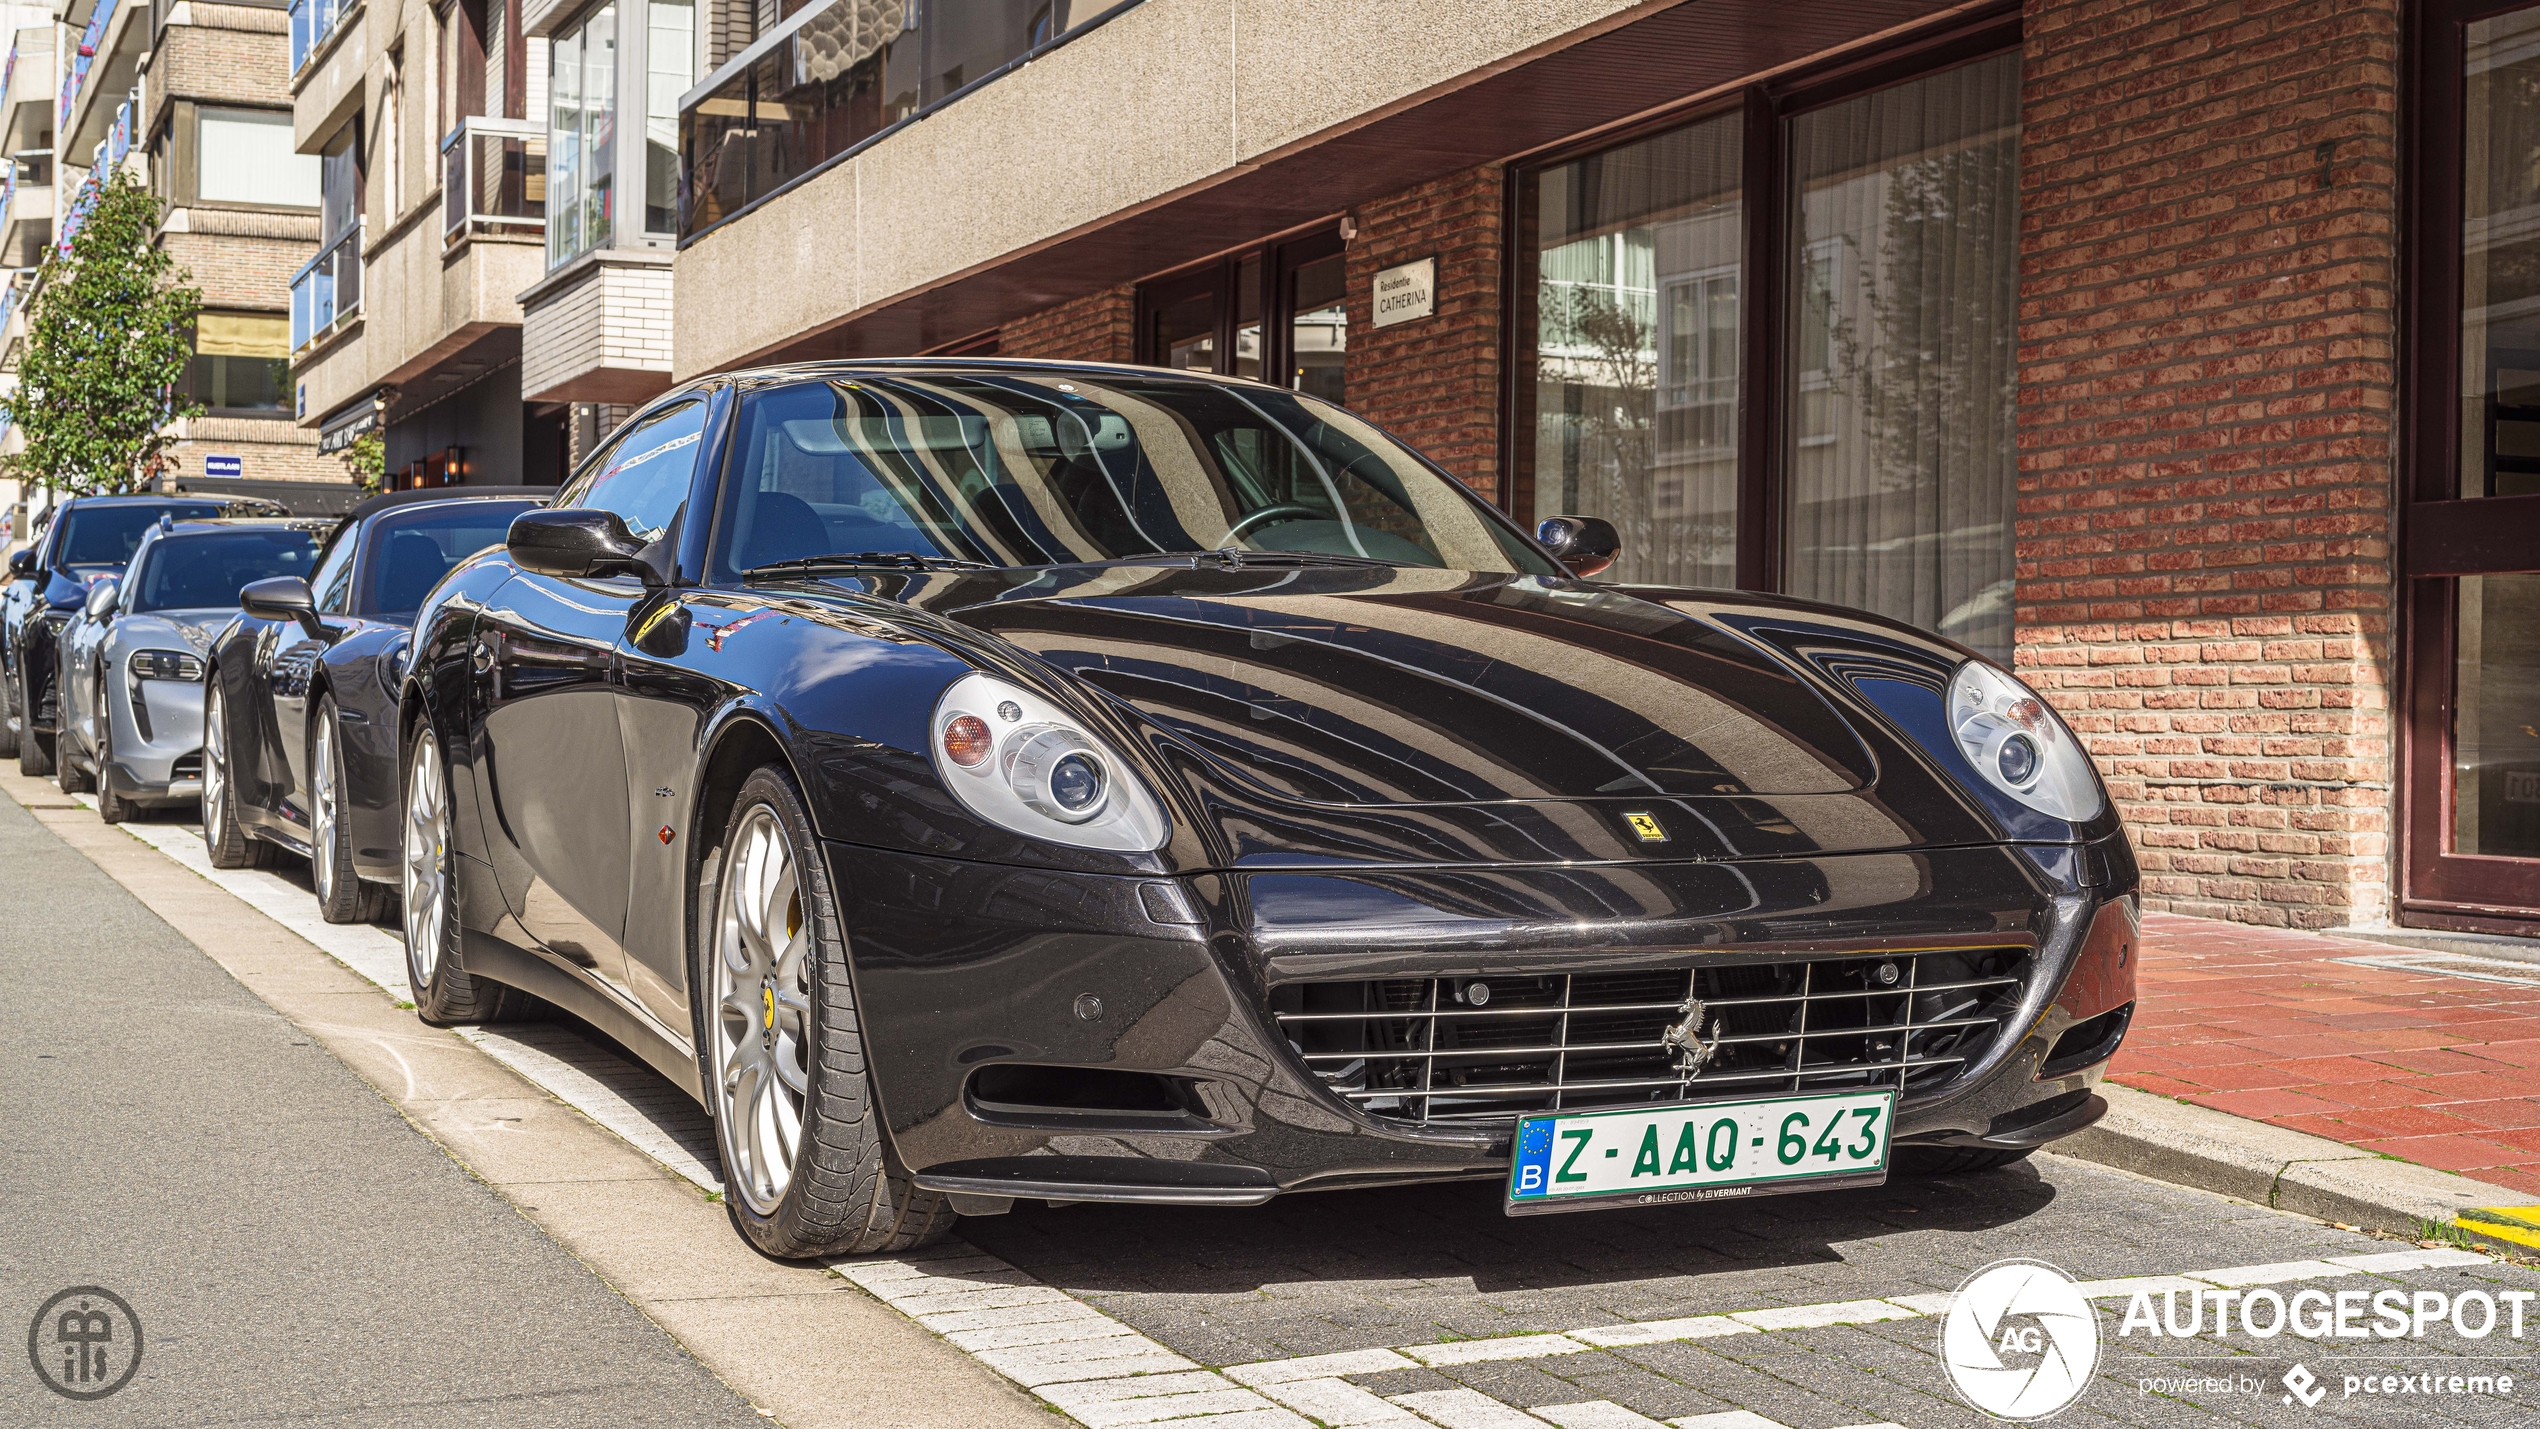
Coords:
328,289
493,177
75,75
311,22
834,76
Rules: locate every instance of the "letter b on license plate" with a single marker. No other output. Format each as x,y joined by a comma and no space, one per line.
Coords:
1699,1151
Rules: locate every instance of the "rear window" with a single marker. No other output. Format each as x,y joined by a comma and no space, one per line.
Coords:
412,550
203,572
108,535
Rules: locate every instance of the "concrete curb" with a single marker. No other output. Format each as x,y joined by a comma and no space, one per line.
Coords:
2288,1170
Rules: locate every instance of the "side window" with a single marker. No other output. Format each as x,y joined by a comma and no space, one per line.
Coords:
643,474
333,583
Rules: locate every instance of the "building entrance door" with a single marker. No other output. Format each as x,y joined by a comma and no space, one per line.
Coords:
2472,520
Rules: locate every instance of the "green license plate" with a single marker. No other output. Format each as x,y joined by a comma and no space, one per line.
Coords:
1701,1151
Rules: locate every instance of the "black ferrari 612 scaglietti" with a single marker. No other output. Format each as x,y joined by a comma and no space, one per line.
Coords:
981,780
300,697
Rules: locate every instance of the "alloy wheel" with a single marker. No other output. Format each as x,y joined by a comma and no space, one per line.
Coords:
322,780
215,765
762,1008
426,859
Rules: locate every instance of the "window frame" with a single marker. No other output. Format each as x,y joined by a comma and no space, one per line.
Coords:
1767,199
1276,262
2441,536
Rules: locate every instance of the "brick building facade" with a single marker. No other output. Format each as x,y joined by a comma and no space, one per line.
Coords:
2121,290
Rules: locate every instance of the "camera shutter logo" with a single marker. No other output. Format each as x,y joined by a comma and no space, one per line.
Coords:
2020,1340
85,1343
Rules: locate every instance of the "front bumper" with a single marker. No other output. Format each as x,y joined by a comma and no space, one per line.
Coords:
1083,1038
159,753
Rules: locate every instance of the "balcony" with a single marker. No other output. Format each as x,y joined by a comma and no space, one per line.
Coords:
312,23
493,179
327,291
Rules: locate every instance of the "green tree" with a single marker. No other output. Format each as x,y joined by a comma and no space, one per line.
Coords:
366,460
108,339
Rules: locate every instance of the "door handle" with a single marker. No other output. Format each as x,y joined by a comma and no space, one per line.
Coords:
482,657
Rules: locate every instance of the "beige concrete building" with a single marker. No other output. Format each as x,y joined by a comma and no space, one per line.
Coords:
432,222
190,96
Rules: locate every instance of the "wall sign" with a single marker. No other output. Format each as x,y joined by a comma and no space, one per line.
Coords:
1406,291
229,466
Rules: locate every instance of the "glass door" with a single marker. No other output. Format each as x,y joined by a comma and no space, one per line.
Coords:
2472,523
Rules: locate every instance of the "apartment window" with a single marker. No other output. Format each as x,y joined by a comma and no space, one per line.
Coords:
581,137
820,79
241,363
244,156
1276,314
670,56
1798,377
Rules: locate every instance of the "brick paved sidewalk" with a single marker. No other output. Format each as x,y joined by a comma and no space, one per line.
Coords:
2264,1023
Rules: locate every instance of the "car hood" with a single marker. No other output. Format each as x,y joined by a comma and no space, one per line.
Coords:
194,628
1425,687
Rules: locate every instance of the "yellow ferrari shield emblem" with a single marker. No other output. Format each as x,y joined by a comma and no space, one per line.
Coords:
1646,828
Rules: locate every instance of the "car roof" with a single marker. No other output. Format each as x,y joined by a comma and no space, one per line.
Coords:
316,526
170,498
427,495
883,366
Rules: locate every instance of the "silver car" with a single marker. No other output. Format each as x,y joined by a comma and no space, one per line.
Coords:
131,671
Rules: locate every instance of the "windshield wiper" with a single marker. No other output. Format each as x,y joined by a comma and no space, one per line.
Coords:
849,560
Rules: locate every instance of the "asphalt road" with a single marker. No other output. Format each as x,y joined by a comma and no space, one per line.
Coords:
295,1251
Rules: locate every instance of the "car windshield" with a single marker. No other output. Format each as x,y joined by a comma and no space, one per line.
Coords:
204,570
412,550
101,537
1047,468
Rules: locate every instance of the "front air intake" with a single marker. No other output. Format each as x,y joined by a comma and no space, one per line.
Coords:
1488,1048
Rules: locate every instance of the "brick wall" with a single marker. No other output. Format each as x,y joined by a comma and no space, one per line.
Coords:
1434,381
1099,327
2205,573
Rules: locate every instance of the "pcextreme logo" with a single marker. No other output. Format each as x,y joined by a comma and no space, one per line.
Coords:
2020,1340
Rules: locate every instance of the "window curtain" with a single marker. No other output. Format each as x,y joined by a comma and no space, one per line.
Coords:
1636,252
1901,370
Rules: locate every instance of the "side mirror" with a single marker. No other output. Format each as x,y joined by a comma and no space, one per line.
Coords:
22,564
577,542
283,598
1585,544
101,597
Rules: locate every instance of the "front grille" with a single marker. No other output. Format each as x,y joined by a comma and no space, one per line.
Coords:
1483,1049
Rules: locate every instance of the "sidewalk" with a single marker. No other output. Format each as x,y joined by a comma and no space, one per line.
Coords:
2440,1071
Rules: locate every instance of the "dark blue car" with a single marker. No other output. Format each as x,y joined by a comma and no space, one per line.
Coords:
90,539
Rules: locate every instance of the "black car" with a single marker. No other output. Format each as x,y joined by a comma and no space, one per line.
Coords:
90,538
300,706
980,780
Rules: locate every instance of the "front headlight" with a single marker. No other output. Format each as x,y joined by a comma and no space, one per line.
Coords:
2018,745
164,665
1021,763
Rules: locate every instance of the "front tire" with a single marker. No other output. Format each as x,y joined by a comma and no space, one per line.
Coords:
227,841
8,719
781,1051
445,992
342,895
66,771
35,757
112,807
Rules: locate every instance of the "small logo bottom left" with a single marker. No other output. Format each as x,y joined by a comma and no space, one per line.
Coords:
85,1343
